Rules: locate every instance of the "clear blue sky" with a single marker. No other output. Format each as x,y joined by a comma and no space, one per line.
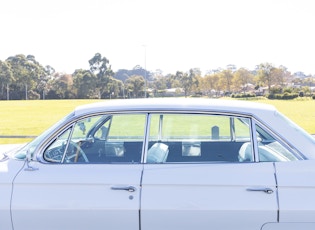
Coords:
178,34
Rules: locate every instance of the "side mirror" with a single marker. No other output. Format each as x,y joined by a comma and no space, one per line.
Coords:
28,156
28,159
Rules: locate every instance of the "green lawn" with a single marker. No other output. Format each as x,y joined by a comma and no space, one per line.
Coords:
301,112
30,118
33,117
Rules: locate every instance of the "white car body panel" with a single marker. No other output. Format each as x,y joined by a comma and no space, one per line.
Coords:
289,226
8,170
81,200
296,184
207,196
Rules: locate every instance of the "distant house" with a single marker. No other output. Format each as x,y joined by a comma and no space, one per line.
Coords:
249,88
174,92
261,91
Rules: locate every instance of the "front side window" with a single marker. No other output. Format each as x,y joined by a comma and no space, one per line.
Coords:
100,139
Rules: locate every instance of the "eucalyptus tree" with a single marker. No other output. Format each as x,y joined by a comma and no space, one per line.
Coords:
135,86
187,80
160,83
26,71
6,78
115,88
172,81
60,86
99,66
195,71
42,85
282,76
265,74
85,83
226,78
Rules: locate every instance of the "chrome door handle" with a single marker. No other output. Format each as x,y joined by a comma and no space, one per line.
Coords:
125,188
266,190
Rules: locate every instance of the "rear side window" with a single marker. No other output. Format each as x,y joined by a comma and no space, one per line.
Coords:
272,150
184,138
198,138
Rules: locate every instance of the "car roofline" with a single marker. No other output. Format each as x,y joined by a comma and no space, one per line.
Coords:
175,104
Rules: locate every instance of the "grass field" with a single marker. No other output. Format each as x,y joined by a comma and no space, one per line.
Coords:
30,118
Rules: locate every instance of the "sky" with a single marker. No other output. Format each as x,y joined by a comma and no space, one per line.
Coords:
170,35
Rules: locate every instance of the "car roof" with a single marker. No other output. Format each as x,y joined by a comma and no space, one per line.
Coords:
176,104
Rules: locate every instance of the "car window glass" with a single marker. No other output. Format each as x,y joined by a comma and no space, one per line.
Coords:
270,149
127,127
100,139
55,152
198,138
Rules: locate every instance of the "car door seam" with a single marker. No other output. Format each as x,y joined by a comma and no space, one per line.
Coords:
140,196
12,188
277,192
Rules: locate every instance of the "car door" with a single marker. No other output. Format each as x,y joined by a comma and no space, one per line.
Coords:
200,178
93,184
296,185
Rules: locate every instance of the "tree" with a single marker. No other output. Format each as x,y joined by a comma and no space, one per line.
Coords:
160,83
242,77
264,71
172,81
6,78
281,75
42,85
210,84
135,86
98,65
60,87
187,80
26,72
100,68
115,88
226,78
196,71
124,74
85,84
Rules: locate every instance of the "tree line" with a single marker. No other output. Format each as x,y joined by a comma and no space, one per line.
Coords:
22,77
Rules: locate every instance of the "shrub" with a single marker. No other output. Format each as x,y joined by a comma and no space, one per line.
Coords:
285,96
32,95
243,95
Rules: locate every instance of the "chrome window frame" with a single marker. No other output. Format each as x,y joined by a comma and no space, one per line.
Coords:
148,113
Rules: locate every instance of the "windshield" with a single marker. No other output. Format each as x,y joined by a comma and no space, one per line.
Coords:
31,146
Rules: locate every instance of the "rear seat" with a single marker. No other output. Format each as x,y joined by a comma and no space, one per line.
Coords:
209,151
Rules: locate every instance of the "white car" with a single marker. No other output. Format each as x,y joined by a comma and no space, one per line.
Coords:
163,164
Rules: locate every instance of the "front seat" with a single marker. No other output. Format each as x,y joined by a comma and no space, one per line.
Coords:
157,153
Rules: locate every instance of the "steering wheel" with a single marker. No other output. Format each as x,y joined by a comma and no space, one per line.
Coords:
78,152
